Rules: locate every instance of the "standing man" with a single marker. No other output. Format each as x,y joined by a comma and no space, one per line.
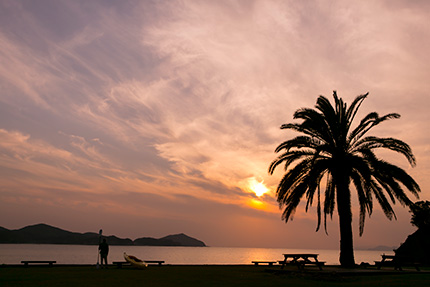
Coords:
104,251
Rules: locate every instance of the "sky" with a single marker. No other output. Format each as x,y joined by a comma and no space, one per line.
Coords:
150,118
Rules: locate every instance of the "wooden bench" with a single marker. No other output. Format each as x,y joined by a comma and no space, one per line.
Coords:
27,262
270,263
302,263
397,266
119,264
159,262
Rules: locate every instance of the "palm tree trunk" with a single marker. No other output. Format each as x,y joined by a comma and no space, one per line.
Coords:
346,257
343,199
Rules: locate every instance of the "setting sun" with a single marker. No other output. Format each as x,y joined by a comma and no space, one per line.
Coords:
257,187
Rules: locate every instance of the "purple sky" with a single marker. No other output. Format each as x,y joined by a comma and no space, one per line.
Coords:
148,118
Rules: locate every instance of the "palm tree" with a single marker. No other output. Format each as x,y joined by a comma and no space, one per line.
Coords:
330,156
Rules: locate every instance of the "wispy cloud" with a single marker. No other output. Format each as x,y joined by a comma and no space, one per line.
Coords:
168,108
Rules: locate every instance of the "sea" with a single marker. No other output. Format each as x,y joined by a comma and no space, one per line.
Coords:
88,254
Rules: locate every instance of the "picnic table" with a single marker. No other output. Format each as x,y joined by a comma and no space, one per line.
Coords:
390,259
301,260
396,261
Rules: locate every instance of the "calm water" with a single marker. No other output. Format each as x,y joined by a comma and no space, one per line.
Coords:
84,254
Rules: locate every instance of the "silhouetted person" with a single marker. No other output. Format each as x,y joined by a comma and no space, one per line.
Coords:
104,251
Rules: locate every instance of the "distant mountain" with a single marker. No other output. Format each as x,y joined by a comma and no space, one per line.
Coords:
184,240
46,234
149,241
170,240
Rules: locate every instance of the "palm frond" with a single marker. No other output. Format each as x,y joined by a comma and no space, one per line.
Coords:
364,198
329,200
382,200
288,158
393,144
367,123
392,175
298,142
353,109
305,130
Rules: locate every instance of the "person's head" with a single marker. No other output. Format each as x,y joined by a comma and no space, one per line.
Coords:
104,240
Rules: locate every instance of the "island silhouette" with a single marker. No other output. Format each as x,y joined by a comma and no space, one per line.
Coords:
46,234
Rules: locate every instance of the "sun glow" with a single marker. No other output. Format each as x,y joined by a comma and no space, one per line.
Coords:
257,187
254,203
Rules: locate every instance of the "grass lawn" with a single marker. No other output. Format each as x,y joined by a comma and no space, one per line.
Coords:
196,276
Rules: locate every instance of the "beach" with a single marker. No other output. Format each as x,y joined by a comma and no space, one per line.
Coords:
208,275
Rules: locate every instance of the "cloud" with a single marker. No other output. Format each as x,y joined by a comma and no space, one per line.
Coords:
176,104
